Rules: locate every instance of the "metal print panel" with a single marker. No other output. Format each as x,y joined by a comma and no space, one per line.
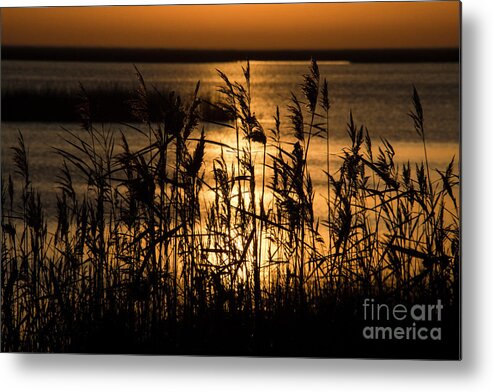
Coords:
261,180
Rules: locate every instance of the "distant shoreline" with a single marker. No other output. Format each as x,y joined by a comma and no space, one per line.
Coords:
205,56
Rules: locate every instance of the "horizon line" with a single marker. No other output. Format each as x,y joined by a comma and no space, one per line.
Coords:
186,55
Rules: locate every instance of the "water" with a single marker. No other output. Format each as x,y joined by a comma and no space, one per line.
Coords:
379,96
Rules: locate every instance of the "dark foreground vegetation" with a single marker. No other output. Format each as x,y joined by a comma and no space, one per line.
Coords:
156,256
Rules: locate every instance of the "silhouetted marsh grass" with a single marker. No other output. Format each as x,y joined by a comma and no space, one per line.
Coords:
144,261
110,103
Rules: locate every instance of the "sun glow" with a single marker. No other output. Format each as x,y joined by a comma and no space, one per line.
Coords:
245,26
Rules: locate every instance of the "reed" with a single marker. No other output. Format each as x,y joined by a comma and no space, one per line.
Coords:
111,102
160,252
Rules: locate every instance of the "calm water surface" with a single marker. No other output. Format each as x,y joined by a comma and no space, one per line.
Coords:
379,96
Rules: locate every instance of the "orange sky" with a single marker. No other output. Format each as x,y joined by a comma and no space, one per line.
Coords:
262,26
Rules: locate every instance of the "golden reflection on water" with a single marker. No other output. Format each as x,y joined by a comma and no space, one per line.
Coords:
439,154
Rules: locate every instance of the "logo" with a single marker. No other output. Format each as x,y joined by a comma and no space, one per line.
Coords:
402,322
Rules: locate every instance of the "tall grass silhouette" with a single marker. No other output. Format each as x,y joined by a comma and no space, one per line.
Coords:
160,253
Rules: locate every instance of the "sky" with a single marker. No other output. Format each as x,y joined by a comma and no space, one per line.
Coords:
259,26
